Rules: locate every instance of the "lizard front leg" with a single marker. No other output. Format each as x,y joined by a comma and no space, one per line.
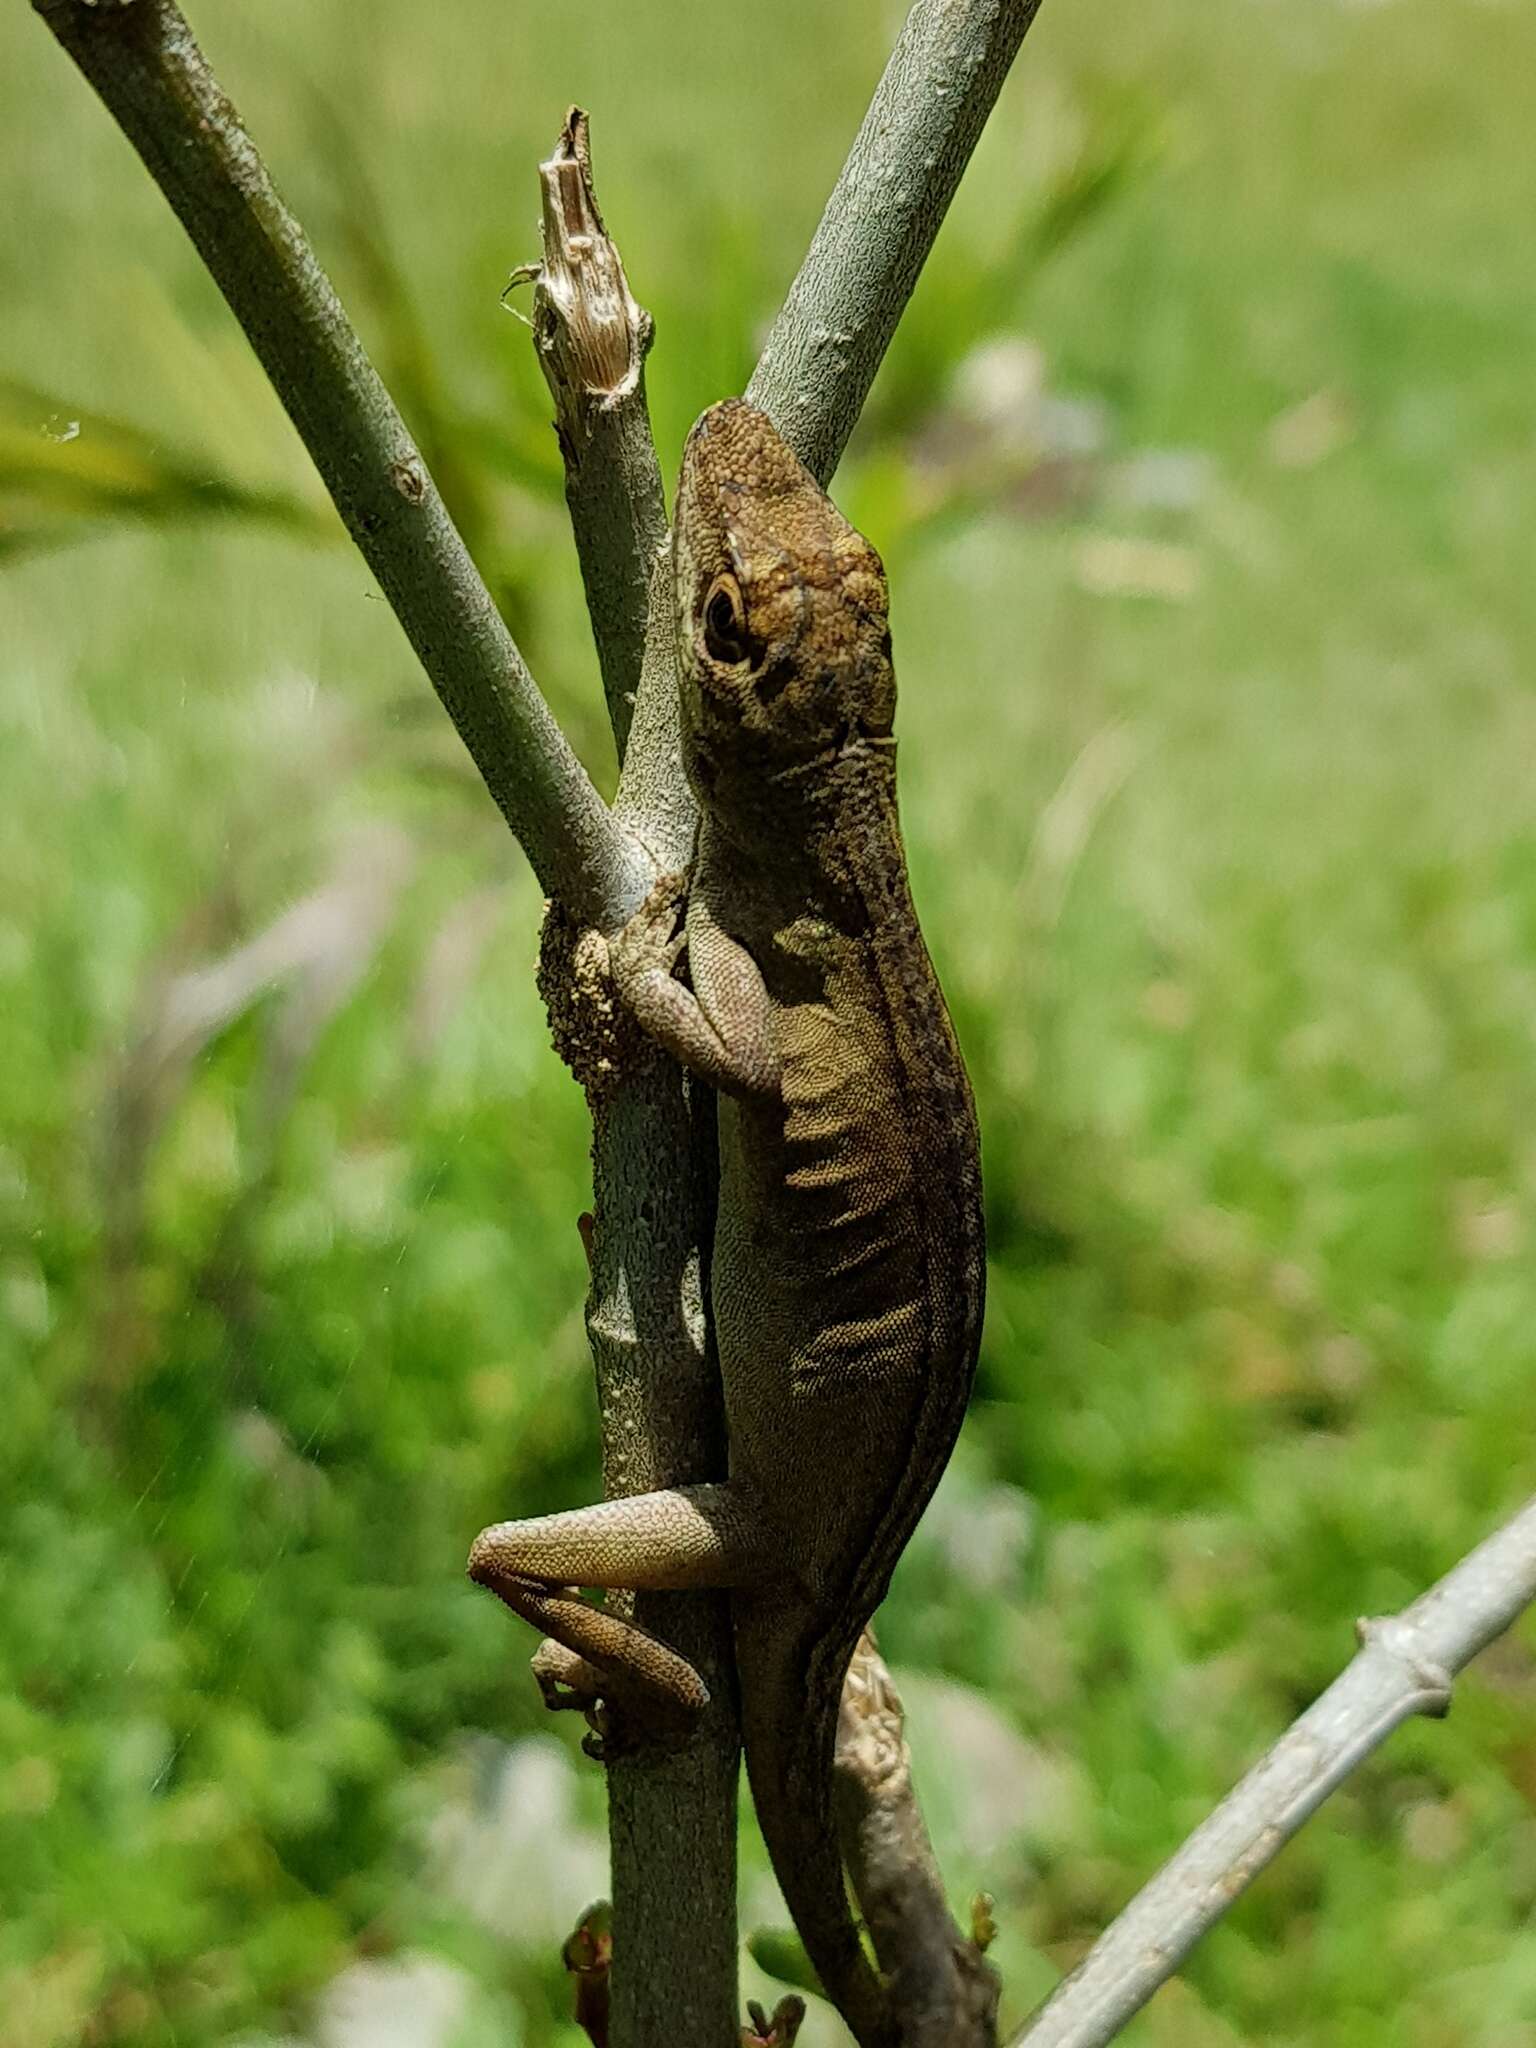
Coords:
681,1539
721,1028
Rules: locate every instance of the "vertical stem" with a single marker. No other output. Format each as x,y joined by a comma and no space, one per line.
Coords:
671,1816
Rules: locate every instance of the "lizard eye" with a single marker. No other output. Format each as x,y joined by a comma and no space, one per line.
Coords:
725,623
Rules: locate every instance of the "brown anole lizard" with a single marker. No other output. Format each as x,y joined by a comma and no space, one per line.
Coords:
848,1261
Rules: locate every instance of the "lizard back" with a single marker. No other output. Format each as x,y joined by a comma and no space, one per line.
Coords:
847,1273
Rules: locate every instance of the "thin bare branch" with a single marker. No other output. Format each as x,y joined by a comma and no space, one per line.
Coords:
924,121
141,58
592,339
1405,1666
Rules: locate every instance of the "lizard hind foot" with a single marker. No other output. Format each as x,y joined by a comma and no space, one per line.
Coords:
567,1682
631,1685
619,1723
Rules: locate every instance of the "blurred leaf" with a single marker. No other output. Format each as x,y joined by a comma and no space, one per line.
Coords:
313,953
401,349
1124,139
65,471
780,1951
974,287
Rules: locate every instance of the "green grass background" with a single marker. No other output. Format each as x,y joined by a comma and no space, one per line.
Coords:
1218,751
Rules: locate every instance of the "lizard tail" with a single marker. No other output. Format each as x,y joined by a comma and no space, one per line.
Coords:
788,1742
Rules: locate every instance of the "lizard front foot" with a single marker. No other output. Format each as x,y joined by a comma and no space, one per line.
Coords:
653,939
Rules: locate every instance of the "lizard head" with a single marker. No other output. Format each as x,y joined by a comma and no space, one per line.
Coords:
781,605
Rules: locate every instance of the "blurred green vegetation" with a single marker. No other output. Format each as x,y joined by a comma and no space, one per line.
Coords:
1202,470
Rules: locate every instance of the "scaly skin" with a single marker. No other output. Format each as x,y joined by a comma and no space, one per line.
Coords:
848,1261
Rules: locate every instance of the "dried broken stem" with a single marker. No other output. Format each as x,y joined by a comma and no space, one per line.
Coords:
924,121
1404,1667
142,60
943,1989
592,337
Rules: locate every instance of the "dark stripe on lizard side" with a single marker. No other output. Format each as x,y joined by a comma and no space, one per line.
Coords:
946,1188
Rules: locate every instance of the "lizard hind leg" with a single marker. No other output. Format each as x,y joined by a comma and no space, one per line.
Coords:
680,1539
592,1654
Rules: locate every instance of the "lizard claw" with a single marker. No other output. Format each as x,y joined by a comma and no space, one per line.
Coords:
618,1725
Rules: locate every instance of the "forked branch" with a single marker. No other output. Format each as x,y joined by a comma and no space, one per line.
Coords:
672,1823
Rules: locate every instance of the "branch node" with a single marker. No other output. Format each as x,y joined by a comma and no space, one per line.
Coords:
1396,1637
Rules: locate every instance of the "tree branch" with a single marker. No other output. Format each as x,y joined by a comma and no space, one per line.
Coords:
924,121
141,58
671,1816
1405,1666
